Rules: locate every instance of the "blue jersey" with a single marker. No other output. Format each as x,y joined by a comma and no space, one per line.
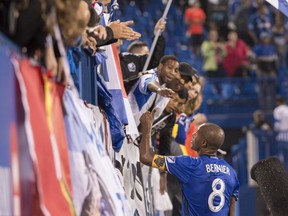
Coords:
208,184
183,126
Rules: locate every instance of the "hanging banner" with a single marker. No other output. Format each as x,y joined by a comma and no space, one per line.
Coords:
53,196
85,186
104,190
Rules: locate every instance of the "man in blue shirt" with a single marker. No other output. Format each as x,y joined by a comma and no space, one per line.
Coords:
209,184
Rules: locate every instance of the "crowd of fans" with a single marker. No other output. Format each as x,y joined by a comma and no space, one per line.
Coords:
59,27
240,39
250,41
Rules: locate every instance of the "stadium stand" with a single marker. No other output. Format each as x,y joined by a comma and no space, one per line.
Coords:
228,102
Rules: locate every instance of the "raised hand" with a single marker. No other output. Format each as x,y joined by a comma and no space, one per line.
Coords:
165,92
121,30
146,121
160,25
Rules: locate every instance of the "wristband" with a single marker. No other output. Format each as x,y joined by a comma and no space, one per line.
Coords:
159,162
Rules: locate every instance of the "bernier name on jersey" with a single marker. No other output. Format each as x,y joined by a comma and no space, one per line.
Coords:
217,168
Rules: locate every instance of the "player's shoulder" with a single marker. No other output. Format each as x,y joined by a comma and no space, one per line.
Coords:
173,159
184,160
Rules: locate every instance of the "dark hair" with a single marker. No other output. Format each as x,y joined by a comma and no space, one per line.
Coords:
186,78
136,45
183,94
166,58
281,99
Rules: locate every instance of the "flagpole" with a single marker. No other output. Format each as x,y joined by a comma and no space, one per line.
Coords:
164,16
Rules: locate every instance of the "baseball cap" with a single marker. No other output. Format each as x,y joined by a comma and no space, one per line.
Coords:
186,70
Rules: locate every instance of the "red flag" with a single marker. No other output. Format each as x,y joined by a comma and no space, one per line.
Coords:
42,144
53,101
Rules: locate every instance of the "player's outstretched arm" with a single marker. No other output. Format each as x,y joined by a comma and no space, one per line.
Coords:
147,156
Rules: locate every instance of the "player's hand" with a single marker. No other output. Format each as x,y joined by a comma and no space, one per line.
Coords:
165,92
146,121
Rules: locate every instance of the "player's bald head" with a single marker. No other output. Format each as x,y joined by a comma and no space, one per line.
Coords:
213,134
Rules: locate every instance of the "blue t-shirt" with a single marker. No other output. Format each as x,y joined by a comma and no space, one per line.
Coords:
258,23
208,183
262,50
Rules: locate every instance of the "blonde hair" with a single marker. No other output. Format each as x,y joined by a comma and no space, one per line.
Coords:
194,104
71,26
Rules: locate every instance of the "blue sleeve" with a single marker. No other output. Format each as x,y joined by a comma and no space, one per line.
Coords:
144,81
181,133
236,189
181,166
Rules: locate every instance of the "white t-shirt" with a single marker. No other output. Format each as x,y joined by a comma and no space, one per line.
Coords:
280,114
141,99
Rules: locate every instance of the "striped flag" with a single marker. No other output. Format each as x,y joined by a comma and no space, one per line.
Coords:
54,197
281,5
17,184
114,81
116,88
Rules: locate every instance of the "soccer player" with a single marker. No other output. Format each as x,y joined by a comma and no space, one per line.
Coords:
209,184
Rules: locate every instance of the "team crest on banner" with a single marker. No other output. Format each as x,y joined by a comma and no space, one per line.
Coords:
132,67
